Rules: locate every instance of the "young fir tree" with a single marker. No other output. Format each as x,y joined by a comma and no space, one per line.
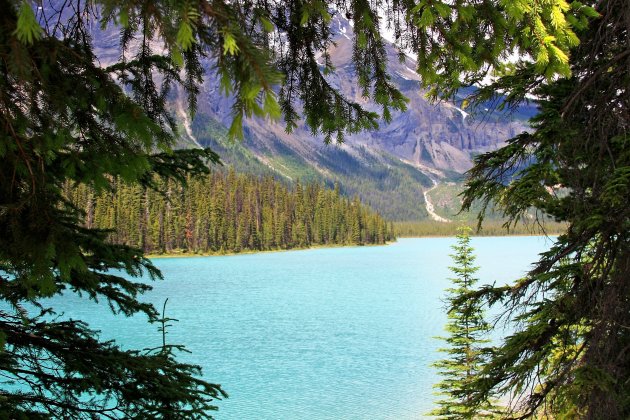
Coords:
467,330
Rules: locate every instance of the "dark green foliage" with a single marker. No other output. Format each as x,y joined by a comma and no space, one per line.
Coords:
99,379
65,119
568,357
225,212
467,332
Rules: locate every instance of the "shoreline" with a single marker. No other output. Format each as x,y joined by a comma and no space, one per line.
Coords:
268,251
250,251
482,236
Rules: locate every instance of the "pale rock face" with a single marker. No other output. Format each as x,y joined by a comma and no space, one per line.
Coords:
441,135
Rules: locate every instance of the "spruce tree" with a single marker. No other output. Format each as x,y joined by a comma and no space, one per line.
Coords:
568,356
467,332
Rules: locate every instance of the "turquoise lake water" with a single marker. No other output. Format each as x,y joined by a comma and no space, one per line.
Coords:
338,333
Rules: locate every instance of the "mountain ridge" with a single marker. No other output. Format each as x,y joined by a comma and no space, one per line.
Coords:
389,168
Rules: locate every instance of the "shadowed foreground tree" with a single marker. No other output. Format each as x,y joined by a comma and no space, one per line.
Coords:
569,356
68,118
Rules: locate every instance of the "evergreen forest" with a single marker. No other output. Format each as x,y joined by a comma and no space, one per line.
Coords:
228,212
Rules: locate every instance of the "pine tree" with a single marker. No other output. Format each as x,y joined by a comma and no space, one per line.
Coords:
69,121
217,218
467,332
355,222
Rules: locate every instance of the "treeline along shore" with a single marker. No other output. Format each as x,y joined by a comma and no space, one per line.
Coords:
226,212
492,227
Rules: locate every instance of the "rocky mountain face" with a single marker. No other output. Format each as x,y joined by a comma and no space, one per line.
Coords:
389,168
438,136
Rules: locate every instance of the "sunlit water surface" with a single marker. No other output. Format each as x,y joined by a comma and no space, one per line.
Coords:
339,333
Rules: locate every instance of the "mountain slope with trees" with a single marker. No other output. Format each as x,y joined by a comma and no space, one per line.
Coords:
382,181
388,167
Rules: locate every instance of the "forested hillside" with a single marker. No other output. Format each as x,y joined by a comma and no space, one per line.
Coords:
382,181
229,212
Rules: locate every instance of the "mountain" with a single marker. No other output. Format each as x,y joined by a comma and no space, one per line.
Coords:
390,168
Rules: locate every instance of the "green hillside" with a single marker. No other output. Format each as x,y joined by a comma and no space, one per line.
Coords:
382,181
